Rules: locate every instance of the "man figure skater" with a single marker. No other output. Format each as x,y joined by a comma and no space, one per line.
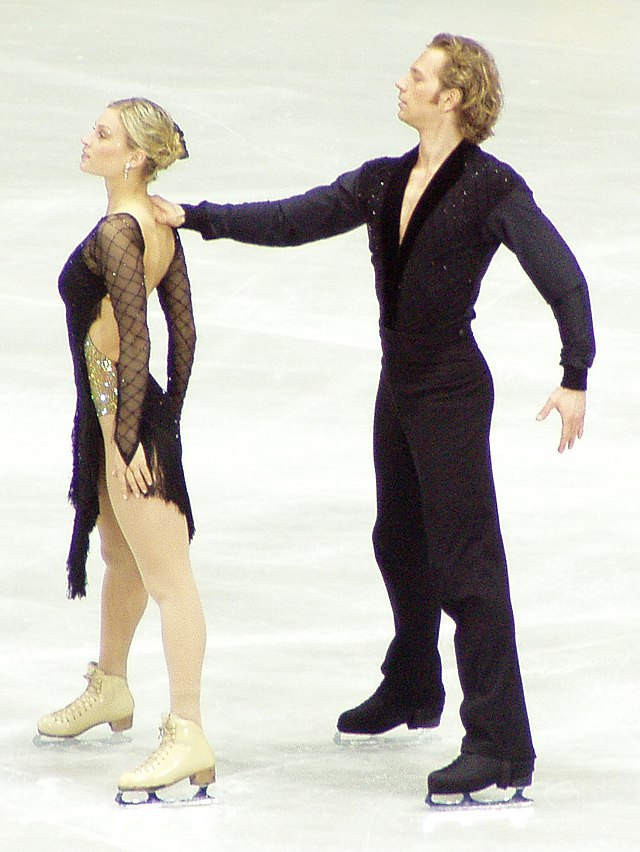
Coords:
435,218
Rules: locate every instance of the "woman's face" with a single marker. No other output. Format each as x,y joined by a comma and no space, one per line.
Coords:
105,149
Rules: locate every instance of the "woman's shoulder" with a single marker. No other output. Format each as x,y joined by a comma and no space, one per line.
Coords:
112,237
122,226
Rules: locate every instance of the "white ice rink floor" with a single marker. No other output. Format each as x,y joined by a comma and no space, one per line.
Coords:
275,97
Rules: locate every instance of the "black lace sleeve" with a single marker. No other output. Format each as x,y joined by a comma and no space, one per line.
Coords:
174,293
118,253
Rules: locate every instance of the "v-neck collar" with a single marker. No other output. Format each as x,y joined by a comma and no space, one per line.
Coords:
395,254
448,173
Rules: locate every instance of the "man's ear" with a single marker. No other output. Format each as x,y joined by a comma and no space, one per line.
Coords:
451,99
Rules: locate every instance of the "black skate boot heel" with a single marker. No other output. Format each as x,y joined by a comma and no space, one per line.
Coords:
470,773
519,783
423,717
382,712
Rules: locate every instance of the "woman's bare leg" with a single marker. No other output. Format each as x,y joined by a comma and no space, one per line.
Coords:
124,597
157,536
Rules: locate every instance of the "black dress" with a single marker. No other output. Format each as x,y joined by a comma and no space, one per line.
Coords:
109,261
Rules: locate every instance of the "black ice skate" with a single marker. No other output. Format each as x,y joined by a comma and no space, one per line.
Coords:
470,773
382,712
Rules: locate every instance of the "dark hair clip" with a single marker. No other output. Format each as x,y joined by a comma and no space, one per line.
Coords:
185,154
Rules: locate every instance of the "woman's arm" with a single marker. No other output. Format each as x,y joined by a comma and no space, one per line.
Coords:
118,252
174,294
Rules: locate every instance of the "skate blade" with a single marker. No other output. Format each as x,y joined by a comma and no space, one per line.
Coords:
142,798
81,743
467,802
390,739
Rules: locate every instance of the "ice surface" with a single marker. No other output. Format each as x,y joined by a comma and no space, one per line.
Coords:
275,97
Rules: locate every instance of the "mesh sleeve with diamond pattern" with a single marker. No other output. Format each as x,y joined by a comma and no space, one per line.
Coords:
174,294
118,251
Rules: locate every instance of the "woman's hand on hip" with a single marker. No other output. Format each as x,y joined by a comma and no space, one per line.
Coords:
134,478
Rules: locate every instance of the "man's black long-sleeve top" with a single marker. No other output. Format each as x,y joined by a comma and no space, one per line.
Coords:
428,284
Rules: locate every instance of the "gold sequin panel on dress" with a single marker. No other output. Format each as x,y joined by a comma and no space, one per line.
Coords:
103,379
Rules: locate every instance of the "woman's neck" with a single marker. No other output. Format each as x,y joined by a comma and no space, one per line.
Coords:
121,195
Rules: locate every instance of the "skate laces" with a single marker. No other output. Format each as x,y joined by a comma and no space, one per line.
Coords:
82,703
167,737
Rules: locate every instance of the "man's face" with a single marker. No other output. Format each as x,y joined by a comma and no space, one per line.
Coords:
419,91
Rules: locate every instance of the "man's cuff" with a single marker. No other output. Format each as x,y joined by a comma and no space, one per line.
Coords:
574,378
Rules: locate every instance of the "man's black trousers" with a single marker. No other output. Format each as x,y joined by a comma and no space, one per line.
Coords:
437,539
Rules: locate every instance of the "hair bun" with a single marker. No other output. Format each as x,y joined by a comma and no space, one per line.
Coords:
151,128
180,145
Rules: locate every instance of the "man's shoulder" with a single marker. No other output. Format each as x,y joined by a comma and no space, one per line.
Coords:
481,164
370,179
374,175
389,163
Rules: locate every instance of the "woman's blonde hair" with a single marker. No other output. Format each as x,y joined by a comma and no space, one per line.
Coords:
151,128
472,70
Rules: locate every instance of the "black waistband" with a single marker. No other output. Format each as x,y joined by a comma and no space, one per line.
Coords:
438,338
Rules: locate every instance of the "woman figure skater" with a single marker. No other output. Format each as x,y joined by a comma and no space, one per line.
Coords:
127,469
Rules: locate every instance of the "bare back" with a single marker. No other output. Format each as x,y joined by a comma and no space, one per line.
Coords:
159,250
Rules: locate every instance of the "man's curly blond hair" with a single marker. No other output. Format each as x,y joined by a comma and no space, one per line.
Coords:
472,70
